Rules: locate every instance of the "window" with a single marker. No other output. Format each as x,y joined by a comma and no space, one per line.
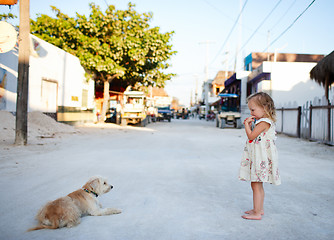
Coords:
84,103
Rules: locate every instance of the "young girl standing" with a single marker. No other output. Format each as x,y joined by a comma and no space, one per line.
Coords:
260,162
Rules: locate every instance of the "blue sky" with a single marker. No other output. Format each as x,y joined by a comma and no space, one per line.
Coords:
202,27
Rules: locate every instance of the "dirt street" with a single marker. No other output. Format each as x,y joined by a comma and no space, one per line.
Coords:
173,181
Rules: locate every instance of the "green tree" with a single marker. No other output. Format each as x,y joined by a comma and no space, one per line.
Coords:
5,17
116,44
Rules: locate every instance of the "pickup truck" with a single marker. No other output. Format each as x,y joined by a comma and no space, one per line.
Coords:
134,108
164,113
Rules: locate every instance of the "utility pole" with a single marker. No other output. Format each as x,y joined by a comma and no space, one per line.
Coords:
226,62
239,42
196,89
21,127
268,42
206,84
191,98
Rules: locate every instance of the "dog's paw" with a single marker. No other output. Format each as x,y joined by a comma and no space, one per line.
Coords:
110,211
73,223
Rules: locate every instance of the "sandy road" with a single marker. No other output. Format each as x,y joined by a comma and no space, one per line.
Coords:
173,181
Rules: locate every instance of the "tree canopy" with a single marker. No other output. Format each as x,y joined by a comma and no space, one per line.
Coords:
112,44
4,17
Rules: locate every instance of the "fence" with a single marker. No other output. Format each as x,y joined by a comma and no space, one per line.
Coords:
313,121
288,121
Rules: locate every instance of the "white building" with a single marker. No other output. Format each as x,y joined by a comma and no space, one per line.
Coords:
285,77
288,83
57,83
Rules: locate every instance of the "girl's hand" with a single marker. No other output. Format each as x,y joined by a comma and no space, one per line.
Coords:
249,120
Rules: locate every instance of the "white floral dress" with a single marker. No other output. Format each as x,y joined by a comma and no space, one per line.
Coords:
260,160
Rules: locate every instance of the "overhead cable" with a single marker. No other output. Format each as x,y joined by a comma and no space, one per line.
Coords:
228,36
260,25
224,14
279,20
220,12
291,24
106,3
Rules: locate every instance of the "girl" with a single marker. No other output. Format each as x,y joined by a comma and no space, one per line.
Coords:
259,162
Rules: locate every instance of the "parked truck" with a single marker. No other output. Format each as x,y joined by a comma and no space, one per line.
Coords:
163,104
152,111
134,108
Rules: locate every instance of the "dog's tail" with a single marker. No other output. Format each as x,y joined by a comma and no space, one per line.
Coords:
39,227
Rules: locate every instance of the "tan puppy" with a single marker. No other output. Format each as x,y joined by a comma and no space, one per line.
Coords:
66,211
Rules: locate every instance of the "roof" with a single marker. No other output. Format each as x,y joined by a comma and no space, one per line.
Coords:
259,57
323,72
220,77
159,92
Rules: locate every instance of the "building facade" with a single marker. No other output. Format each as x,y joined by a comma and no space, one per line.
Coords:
285,77
57,83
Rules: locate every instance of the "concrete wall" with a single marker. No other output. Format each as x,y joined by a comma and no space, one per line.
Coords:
243,76
291,83
56,79
8,78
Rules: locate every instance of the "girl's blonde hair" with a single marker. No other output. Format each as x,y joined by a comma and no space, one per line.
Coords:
264,100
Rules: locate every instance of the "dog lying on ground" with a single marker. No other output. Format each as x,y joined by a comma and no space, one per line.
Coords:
66,211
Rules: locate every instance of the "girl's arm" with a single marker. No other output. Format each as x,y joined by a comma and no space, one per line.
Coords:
259,128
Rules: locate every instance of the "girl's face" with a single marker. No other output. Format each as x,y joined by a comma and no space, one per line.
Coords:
256,110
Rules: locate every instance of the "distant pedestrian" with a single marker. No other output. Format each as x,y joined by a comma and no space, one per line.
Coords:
260,161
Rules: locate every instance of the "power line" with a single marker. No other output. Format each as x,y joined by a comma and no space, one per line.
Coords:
291,24
279,20
106,3
224,14
228,36
215,8
260,25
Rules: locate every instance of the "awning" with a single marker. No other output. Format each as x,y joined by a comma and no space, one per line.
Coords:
231,80
228,95
260,77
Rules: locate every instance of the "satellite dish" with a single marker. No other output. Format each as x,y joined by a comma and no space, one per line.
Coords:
8,37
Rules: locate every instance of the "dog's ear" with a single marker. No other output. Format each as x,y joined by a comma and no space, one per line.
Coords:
92,185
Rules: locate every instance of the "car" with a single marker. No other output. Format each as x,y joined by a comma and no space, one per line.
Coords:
113,115
182,113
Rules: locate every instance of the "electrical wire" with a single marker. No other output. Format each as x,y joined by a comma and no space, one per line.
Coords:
106,3
220,12
227,16
279,20
228,36
291,24
260,26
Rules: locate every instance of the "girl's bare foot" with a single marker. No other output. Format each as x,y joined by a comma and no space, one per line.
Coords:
252,217
252,212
